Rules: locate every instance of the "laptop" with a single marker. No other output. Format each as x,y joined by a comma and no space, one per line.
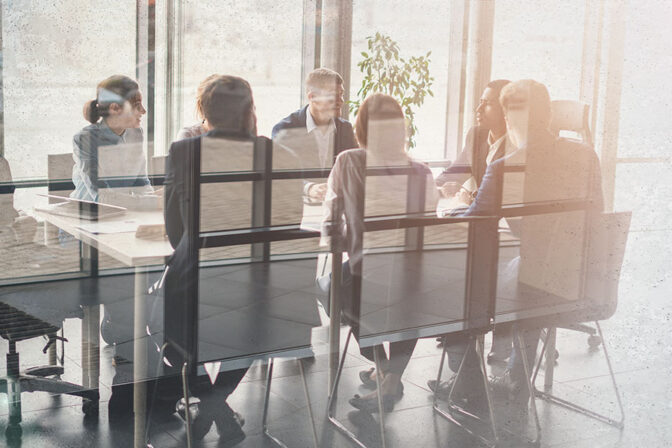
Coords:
79,208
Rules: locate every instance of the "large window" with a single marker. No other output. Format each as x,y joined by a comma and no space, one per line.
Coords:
259,41
54,54
541,41
417,28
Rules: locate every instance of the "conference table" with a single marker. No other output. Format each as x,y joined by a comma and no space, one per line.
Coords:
425,276
116,237
268,309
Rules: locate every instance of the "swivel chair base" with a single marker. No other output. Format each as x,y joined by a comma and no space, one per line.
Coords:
573,406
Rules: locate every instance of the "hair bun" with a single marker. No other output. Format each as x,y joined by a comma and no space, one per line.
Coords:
91,111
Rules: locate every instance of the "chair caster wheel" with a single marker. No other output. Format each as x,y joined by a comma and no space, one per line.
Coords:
594,340
13,433
90,407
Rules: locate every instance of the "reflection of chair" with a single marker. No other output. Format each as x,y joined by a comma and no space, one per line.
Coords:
604,259
574,117
59,171
16,326
571,116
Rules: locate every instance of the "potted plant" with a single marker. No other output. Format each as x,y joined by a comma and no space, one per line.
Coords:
385,71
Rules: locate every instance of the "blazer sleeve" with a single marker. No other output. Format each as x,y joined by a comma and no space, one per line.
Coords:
174,195
488,200
349,140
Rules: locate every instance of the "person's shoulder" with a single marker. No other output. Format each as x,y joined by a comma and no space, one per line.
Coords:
574,150
293,120
351,156
342,122
353,153
190,131
517,157
90,129
181,146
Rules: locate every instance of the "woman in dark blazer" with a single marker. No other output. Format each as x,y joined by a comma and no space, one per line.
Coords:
228,107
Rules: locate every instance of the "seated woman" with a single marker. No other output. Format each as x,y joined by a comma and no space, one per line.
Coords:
228,108
115,116
381,132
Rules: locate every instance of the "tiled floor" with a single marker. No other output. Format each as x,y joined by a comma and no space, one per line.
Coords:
637,338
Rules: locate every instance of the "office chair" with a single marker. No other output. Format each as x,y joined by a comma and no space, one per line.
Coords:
571,116
568,116
16,326
604,259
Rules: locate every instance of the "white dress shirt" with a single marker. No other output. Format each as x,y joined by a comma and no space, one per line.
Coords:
324,137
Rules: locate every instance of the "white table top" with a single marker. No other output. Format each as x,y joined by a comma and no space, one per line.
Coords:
122,245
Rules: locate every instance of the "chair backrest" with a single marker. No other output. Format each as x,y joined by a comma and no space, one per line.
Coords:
573,116
157,165
608,238
59,168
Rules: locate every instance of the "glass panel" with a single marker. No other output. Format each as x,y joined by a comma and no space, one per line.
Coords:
50,69
401,20
644,127
540,41
246,39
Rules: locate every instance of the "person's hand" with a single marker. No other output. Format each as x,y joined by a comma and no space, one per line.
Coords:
464,196
317,192
449,189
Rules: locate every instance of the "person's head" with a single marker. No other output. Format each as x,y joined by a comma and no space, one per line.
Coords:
119,101
324,88
489,113
380,124
199,95
527,110
227,105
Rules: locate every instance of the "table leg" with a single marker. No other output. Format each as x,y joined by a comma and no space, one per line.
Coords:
335,316
91,347
139,359
550,358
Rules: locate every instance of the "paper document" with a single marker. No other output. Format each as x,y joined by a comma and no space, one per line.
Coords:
117,226
312,217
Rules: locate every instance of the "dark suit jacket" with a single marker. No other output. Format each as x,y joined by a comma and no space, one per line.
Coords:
554,169
343,139
182,266
473,154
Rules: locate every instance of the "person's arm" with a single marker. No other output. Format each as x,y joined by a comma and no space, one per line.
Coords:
85,161
173,197
488,200
464,159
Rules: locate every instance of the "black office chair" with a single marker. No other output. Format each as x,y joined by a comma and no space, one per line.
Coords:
16,326
604,259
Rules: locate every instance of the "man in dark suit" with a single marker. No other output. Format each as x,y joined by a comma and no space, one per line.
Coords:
315,134
484,143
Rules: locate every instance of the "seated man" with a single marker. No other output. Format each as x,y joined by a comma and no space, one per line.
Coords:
485,143
554,169
315,134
